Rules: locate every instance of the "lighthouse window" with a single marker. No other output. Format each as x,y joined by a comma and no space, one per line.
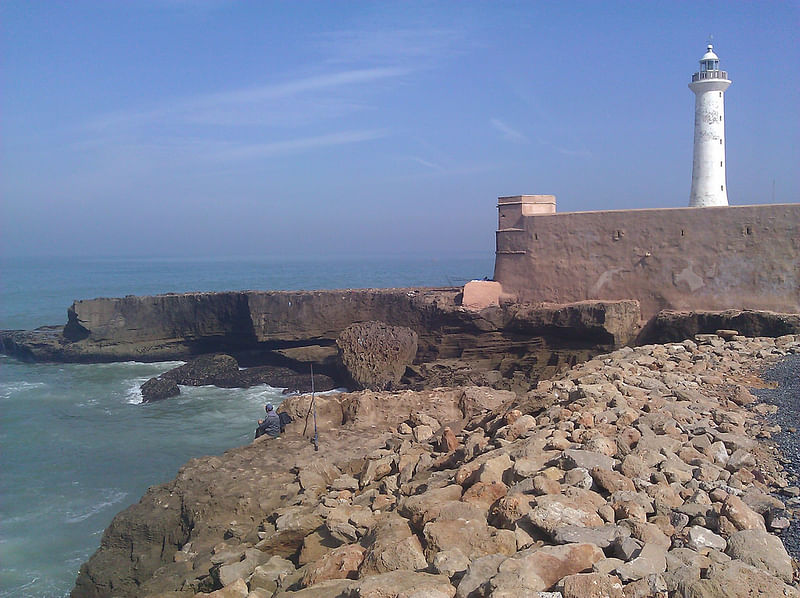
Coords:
720,94
720,141
722,187
720,163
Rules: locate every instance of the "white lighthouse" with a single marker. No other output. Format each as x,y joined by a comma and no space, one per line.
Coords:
708,167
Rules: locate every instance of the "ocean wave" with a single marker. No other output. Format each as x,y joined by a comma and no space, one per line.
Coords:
133,392
154,365
8,389
112,497
18,590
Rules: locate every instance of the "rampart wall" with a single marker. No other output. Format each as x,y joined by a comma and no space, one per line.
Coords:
745,257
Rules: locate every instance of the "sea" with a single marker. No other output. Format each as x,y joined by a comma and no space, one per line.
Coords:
77,445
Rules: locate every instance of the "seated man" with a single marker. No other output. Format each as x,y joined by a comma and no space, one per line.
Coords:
271,424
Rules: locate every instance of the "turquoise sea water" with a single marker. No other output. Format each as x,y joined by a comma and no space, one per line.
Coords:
76,445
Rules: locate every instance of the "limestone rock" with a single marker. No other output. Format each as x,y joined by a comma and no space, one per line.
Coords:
651,560
324,589
762,550
553,511
541,569
473,537
236,589
403,584
652,586
229,573
611,481
736,579
270,575
587,459
392,546
742,516
376,354
591,585
602,536
451,562
340,563
485,494
700,538
478,572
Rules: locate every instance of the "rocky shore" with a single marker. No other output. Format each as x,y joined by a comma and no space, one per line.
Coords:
648,471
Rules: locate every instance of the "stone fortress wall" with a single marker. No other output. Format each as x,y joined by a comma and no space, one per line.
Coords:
744,257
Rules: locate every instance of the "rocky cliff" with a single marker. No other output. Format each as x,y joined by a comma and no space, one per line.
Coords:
638,473
509,346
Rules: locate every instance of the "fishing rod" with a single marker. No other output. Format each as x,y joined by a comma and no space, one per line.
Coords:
312,406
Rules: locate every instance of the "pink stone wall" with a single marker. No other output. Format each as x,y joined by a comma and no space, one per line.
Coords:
677,258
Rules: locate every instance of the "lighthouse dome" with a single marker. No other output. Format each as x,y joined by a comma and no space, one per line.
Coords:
709,55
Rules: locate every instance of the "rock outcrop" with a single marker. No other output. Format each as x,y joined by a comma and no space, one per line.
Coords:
222,370
637,473
506,347
674,326
375,354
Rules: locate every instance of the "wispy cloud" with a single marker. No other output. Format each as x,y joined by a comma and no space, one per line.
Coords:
260,150
426,163
566,151
572,152
372,45
285,102
508,132
303,85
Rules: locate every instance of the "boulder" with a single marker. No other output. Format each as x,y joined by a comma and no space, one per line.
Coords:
736,579
478,572
473,537
158,389
553,511
340,563
699,538
236,589
270,575
587,459
392,546
611,481
229,573
540,570
402,584
651,560
742,516
591,585
763,550
375,355
203,370
603,536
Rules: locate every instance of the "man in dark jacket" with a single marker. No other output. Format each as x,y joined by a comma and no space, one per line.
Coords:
271,424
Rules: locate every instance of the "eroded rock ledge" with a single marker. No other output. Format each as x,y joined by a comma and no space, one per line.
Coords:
509,346
643,472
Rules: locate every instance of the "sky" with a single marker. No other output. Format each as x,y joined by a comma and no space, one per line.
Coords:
225,128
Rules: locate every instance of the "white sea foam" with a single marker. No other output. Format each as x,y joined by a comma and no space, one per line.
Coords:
19,590
9,389
111,497
133,393
154,365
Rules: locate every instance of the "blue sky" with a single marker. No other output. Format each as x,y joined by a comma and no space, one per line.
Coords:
171,127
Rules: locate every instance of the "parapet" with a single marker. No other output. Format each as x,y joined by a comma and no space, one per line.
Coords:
511,209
